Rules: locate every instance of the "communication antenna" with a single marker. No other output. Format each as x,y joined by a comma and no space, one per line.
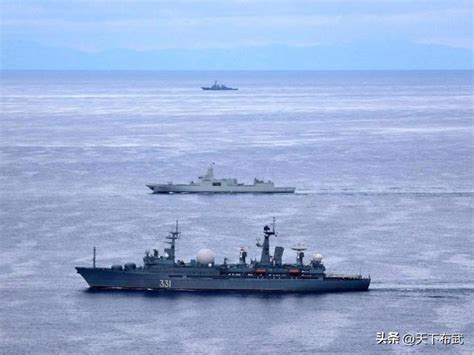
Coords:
176,234
298,248
172,242
93,257
299,253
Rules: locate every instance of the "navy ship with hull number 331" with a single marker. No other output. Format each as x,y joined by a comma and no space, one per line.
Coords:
269,274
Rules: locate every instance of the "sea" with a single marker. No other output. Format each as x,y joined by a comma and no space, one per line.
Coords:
383,166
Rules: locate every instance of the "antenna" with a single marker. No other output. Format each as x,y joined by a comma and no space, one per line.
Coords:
174,234
273,224
298,248
267,233
93,257
172,242
299,253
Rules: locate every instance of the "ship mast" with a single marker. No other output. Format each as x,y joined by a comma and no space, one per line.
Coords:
267,232
173,236
210,172
93,257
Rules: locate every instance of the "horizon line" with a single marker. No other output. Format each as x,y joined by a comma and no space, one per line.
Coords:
234,70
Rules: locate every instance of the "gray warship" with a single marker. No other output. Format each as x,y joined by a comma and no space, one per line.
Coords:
269,274
218,87
209,184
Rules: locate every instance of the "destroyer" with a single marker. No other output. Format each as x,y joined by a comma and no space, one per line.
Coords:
218,87
203,274
209,184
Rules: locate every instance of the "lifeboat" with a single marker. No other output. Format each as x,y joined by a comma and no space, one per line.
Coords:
260,272
294,272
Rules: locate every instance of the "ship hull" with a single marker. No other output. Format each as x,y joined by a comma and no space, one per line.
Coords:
166,189
142,280
225,89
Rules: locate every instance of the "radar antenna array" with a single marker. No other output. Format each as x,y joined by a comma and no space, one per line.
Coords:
270,231
299,248
299,253
174,235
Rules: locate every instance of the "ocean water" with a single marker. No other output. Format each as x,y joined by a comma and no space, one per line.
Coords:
382,162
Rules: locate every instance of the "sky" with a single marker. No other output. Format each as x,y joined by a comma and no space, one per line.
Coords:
96,26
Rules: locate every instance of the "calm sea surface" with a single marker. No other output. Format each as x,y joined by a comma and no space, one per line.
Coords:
383,164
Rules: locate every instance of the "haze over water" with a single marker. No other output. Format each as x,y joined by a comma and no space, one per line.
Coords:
382,162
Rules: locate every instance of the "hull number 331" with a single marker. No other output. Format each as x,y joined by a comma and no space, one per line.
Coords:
165,283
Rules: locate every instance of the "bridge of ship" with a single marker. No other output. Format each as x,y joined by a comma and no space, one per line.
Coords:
209,180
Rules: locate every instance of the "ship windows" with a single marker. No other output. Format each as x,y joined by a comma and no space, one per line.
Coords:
216,184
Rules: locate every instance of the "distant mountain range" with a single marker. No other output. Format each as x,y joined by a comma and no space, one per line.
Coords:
360,56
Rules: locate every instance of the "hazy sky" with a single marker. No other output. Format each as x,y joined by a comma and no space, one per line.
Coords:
97,25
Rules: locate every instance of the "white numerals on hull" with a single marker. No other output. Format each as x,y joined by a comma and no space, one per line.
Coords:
165,283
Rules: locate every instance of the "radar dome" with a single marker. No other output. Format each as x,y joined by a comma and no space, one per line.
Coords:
317,257
205,257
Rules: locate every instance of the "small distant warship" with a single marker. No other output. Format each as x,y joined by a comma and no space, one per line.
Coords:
208,184
269,274
217,87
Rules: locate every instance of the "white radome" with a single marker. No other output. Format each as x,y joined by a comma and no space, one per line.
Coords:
317,257
205,257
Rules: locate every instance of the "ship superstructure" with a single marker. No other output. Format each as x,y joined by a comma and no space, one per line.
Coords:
269,273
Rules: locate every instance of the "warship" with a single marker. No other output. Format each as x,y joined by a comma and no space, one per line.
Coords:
269,274
209,184
217,87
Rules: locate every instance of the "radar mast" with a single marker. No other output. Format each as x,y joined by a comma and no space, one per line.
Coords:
172,237
267,232
210,172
